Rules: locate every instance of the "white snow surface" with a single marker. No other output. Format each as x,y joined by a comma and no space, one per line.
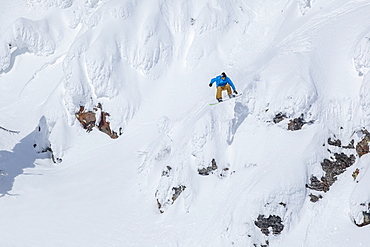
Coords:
149,63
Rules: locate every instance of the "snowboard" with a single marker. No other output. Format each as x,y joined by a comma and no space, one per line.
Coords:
236,96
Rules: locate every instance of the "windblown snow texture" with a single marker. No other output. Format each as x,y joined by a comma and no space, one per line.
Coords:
285,164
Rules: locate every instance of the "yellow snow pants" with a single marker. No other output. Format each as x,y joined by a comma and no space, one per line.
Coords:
220,89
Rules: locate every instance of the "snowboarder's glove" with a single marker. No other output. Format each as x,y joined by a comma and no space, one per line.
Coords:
235,92
210,84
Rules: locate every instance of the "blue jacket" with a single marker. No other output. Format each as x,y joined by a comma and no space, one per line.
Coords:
221,83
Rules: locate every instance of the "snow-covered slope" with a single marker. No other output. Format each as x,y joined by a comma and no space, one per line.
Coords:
284,164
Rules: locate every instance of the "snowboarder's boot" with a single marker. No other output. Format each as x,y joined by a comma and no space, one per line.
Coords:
219,100
231,96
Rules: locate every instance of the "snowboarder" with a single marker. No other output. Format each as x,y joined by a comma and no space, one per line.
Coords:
223,83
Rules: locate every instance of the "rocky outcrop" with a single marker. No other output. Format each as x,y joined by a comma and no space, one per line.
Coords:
296,123
314,198
279,117
207,170
363,146
366,216
338,143
337,164
88,120
334,166
166,194
366,219
332,169
273,221
104,125
262,245
176,192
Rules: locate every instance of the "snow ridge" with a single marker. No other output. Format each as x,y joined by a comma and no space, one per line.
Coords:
252,171
26,36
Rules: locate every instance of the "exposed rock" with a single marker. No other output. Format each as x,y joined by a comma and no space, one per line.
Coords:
336,143
177,191
366,214
162,204
166,172
296,124
88,121
366,219
279,117
272,221
350,145
332,169
159,206
342,161
282,204
56,159
192,21
262,245
225,172
104,126
316,184
363,146
167,194
314,198
207,170
48,149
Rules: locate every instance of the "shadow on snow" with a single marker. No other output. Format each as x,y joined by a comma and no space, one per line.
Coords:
13,163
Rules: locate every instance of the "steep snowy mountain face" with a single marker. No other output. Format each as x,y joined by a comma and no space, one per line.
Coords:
108,137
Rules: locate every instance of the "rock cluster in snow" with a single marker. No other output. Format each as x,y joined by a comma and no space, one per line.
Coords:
360,200
273,222
294,124
119,66
209,169
337,164
89,120
332,168
171,193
